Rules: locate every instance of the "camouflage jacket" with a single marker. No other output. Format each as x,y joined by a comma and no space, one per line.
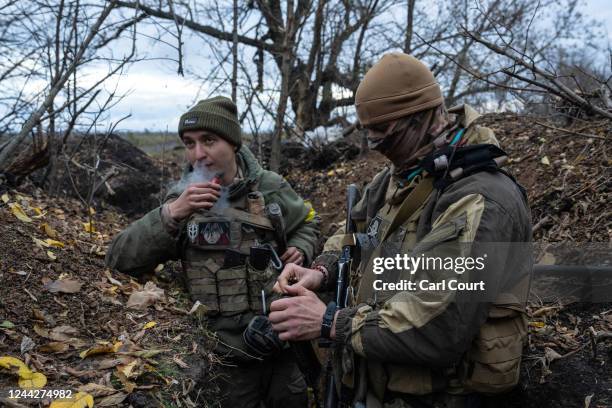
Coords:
413,340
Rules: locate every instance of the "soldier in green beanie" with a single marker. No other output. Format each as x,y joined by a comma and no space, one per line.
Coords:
215,221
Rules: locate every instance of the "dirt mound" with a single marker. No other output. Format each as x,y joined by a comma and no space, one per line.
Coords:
126,177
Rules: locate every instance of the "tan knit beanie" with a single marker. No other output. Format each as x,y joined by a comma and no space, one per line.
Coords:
396,86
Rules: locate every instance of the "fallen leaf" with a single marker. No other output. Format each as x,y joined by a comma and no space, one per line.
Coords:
40,243
9,362
39,212
19,213
79,400
91,211
64,286
144,353
54,243
114,362
149,325
5,198
110,278
51,255
148,296
130,369
27,378
127,384
60,333
180,362
112,400
32,380
97,390
545,161
54,347
7,325
47,229
89,227
27,344
551,355
101,349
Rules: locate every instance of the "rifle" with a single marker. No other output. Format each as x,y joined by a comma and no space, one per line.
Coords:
305,357
344,266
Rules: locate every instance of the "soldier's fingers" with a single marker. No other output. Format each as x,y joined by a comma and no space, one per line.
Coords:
289,253
206,184
201,204
201,191
280,304
278,317
294,257
203,197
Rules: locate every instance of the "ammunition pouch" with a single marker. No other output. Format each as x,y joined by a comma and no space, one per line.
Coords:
225,265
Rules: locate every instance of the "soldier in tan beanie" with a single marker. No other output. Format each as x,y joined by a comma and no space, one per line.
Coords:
428,342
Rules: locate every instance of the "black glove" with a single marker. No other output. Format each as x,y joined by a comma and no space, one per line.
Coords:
260,339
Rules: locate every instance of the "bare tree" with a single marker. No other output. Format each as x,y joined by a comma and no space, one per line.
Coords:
53,44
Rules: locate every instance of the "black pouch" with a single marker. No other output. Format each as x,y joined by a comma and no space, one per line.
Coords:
259,257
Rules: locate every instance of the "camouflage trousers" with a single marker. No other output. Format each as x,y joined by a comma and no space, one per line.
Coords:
274,383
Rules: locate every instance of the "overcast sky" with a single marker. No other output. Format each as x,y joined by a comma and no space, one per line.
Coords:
158,96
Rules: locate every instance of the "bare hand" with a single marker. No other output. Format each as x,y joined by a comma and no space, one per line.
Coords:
294,275
299,317
196,196
293,255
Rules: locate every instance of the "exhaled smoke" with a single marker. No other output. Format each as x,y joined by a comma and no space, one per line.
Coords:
201,174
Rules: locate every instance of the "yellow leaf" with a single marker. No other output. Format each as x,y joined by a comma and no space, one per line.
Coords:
101,349
33,380
91,211
79,400
8,362
19,213
539,325
39,212
129,370
27,379
5,198
40,243
51,255
545,161
89,227
54,243
149,325
51,233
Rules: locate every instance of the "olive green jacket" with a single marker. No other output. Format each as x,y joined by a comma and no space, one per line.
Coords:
146,243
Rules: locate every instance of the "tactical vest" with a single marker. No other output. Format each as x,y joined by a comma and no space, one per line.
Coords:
216,261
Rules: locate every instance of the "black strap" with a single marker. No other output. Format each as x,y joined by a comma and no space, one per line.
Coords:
328,320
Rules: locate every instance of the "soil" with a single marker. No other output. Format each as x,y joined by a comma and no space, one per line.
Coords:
567,178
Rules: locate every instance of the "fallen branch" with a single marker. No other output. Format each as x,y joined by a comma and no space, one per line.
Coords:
587,135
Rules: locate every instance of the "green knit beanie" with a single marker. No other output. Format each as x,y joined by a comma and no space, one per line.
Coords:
218,115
